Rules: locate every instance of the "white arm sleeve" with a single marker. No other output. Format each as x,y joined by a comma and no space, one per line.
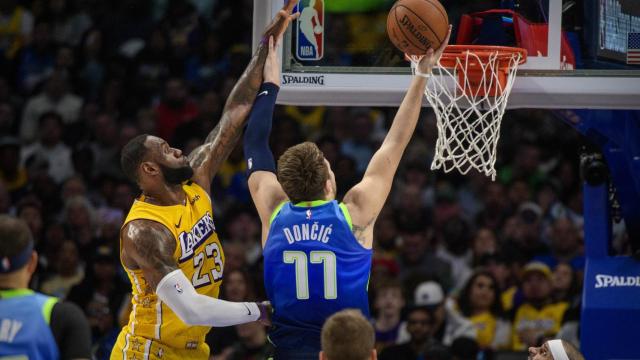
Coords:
192,308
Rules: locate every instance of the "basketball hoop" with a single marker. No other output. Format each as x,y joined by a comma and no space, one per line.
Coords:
469,99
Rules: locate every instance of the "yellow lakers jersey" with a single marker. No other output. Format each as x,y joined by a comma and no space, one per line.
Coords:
154,331
546,320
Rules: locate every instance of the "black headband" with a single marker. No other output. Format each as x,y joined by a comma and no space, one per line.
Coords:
11,264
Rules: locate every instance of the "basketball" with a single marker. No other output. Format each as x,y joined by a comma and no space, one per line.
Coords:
414,26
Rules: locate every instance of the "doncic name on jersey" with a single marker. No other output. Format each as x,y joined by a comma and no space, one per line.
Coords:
196,236
310,30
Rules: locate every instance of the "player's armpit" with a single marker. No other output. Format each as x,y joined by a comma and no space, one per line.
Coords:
151,246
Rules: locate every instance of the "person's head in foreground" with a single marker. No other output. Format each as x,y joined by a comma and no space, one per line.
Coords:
305,175
347,335
555,350
18,260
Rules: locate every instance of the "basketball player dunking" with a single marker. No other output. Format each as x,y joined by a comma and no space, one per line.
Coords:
317,252
169,245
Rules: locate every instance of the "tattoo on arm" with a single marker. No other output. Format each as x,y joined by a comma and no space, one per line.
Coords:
154,246
360,231
224,137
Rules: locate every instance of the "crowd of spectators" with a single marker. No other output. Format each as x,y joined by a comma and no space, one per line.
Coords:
462,264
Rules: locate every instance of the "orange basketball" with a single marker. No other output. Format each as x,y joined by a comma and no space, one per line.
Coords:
414,26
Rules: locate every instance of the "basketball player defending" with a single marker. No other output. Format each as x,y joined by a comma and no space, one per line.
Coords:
169,245
317,252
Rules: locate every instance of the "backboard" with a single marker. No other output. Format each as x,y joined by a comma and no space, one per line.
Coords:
338,52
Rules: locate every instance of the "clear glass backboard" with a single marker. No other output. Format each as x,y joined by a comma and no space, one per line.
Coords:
338,52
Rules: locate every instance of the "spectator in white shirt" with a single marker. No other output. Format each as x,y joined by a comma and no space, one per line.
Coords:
50,149
55,97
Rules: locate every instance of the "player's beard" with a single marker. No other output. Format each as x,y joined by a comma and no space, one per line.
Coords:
176,176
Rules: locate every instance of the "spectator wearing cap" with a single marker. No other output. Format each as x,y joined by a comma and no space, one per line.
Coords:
388,303
480,302
539,317
448,323
565,246
50,149
12,174
523,231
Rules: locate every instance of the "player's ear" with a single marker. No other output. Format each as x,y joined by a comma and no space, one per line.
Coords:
33,263
149,168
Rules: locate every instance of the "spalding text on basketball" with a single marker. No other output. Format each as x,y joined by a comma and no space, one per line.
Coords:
413,29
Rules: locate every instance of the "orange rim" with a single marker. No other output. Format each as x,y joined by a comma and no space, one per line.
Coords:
453,52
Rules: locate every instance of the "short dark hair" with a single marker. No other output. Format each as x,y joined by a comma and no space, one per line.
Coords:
15,236
132,156
347,335
302,172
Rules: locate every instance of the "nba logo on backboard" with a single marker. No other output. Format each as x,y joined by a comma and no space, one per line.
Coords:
310,30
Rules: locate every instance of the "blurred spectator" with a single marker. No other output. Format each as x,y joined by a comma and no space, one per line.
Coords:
252,344
68,271
484,242
80,217
50,149
36,61
5,199
12,174
198,128
495,209
524,230
68,24
29,210
358,146
55,97
566,285
539,317
105,147
100,294
151,65
175,108
455,249
204,70
480,302
414,257
388,305
92,67
16,24
448,324
237,287
565,245
420,327
525,166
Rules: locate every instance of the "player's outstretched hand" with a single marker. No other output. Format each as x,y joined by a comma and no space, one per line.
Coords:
265,313
272,63
281,21
430,59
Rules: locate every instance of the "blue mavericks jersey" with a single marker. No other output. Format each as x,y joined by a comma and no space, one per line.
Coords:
24,325
313,268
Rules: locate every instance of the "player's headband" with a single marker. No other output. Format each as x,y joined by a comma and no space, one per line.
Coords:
13,263
557,350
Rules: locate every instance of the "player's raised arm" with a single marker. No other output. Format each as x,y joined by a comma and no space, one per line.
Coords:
207,158
265,189
150,246
366,199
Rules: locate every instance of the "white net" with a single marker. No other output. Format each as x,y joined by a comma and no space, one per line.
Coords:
469,101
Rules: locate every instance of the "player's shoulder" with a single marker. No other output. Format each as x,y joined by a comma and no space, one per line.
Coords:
143,228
